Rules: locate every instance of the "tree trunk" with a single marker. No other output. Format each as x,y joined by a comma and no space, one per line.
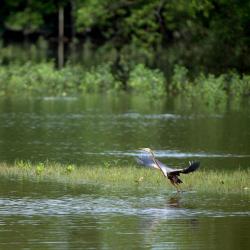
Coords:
73,53
60,37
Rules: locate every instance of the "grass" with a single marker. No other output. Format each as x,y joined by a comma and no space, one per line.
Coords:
235,181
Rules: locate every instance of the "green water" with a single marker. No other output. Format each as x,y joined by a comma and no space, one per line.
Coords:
99,129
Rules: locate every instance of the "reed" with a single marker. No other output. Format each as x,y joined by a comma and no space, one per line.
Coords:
231,181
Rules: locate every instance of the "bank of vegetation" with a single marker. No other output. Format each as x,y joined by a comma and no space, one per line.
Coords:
45,79
234,181
156,48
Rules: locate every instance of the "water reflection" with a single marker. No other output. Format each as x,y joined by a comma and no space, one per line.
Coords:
174,201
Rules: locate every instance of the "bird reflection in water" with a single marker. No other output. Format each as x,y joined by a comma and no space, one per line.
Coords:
156,227
174,202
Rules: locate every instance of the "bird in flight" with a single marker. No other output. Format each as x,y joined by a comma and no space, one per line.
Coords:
172,174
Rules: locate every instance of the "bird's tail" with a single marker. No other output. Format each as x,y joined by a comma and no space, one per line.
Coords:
191,168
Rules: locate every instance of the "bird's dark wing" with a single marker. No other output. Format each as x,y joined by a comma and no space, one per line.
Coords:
147,161
191,168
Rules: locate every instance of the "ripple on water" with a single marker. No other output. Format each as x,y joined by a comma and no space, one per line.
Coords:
88,204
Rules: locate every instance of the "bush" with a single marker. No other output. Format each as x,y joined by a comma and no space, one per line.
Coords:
146,81
246,85
179,81
209,89
44,79
99,79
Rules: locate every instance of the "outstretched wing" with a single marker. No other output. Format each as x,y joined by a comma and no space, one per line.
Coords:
191,168
147,160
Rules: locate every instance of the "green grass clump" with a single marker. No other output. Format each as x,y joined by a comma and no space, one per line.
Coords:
232,181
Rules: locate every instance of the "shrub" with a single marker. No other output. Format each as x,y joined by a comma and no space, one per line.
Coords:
210,89
146,81
99,79
246,84
179,81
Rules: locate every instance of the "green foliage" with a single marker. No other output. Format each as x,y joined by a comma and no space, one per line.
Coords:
238,86
199,34
90,13
99,79
27,20
21,54
143,80
70,169
40,168
110,164
246,84
40,78
23,165
45,79
179,81
107,164
210,89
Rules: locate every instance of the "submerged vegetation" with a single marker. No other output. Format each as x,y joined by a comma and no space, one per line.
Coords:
235,181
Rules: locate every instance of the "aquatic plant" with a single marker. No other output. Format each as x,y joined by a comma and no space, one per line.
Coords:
40,168
70,169
231,181
24,165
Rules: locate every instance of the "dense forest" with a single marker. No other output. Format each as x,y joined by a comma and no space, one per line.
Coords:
177,40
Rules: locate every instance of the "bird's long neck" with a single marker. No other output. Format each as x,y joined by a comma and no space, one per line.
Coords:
156,163
154,160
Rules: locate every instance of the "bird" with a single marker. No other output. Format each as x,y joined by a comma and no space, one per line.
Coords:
170,173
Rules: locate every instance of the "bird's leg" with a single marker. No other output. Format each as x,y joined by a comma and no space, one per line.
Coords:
178,188
173,183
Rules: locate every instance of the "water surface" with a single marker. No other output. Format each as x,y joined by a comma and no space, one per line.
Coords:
95,130
54,216
98,129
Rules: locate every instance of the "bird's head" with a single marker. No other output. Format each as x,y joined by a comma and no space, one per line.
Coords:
146,150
